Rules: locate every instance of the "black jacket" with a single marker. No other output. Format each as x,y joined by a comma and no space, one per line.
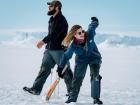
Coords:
57,31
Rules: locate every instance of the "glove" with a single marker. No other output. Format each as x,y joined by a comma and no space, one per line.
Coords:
95,21
59,71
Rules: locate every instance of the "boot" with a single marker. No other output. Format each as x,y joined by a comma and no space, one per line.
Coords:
97,101
67,94
70,99
30,90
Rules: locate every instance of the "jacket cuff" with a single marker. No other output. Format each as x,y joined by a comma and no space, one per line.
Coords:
44,40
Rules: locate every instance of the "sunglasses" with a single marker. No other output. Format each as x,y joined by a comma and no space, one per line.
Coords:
51,6
79,33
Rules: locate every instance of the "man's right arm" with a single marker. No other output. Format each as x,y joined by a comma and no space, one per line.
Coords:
47,38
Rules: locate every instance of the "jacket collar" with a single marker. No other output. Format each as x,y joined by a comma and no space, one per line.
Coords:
58,15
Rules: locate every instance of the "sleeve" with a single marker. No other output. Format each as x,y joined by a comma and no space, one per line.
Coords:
91,30
58,32
66,56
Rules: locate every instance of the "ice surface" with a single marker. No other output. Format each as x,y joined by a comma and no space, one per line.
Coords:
120,70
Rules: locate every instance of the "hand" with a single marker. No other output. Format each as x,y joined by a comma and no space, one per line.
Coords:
59,70
94,19
40,44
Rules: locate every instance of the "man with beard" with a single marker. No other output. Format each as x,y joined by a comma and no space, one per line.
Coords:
57,31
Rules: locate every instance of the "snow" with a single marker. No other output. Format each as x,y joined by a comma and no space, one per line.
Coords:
20,63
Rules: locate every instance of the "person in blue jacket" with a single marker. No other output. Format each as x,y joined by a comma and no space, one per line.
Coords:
83,45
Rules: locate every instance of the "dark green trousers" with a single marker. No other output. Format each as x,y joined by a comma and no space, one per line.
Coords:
79,74
49,60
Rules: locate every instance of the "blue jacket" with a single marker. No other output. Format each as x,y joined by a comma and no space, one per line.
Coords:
87,54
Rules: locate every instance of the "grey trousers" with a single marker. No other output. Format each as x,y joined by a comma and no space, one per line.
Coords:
79,74
49,60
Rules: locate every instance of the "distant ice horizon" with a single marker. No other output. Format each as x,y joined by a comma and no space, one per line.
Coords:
10,31
29,37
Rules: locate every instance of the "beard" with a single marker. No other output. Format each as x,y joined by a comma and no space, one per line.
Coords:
51,12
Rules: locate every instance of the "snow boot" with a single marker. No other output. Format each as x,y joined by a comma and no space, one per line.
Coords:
30,90
97,101
71,100
67,94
